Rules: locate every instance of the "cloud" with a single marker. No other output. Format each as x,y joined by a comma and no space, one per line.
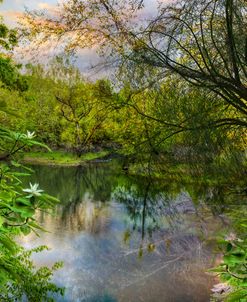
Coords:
20,5
51,9
13,10
11,17
45,5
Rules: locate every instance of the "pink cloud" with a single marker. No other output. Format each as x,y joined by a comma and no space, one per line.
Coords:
11,17
48,7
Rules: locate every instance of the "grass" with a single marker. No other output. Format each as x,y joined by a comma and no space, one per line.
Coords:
61,158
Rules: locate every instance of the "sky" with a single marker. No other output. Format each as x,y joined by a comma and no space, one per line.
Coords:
11,10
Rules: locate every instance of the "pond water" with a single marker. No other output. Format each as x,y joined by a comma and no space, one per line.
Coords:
126,239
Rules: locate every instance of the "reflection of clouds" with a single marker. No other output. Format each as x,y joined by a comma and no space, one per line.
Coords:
96,264
88,236
87,215
155,211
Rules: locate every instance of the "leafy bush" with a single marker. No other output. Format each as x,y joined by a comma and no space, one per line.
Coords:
19,278
233,268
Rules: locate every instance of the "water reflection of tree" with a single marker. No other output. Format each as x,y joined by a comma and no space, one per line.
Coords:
154,221
152,204
156,214
84,192
146,207
70,184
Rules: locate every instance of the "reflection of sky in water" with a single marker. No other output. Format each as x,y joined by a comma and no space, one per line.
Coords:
130,245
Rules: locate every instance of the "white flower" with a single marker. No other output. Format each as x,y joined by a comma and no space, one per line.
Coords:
33,190
30,135
221,288
231,237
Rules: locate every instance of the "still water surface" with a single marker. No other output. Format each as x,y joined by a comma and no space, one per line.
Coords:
126,239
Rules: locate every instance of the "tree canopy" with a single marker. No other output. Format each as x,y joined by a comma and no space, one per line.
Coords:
204,42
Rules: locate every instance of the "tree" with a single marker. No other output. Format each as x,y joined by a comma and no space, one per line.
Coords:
203,41
84,111
9,75
19,279
18,276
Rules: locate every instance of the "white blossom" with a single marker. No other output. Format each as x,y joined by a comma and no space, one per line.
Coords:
33,190
221,288
30,135
231,237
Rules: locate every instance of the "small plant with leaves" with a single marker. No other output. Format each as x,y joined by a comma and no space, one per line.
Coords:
233,269
13,142
19,279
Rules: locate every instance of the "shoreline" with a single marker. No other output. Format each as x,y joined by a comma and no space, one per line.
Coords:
64,159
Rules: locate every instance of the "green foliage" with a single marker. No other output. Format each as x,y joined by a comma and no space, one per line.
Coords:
8,37
10,76
61,158
13,142
78,113
80,116
9,71
152,118
233,268
19,279
18,205
30,283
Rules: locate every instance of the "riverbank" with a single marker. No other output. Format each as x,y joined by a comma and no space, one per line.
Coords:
62,158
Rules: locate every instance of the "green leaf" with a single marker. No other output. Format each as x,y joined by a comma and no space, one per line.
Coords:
1,221
23,201
239,295
25,230
229,247
37,226
234,258
8,243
